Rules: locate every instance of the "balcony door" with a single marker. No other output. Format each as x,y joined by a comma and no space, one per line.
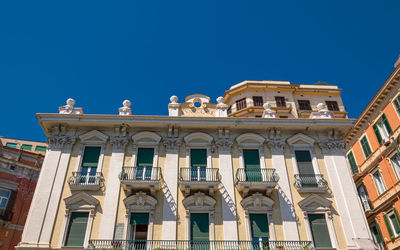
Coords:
198,163
199,230
89,165
259,228
252,168
306,169
144,163
319,231
139,227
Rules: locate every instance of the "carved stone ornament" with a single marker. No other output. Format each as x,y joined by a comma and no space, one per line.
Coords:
140,201
119,142
69,108
60,141
268,112
199,201
331,146
172,143
257,201
323,112
125,110
276,145
224,144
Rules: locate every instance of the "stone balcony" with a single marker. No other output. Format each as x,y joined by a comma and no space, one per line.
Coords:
310,183
256,180
86,181
199,179
141,178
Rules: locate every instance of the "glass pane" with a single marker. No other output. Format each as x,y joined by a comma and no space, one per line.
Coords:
91,157
199,226
145,157
11,145
395,224
27,147
40,148
5,193
259,226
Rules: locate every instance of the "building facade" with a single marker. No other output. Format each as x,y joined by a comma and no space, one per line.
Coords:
230,175
374,157
19,172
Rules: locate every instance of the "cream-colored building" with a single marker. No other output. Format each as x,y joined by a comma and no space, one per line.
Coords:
264,166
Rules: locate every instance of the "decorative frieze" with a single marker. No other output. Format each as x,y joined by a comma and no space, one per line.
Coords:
119,142
276,145
224,144
172,143
332,146
60,141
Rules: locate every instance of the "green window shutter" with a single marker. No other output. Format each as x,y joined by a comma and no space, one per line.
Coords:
252,168
352,161
40,148
91,157
365,146
198,157
397,104
26,146
11,145
259,226
377,133
199,226
319,231
304,162
139,218
378,234
397,221
388,226
76,229
145,157
387,125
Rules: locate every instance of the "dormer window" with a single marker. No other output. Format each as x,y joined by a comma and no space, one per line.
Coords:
332,105
241,104
382,129
258,101
304,104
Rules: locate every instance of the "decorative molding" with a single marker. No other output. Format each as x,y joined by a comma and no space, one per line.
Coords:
80,201
199,201
172,143
332,146
276,145
250,140
322,113
257,202
300,140
146,138
140,201
198,139
314,202
224,144
221,107
119,142
268,112
93,137
69,108
125,110
60,141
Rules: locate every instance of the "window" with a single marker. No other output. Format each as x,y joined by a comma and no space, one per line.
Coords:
352,162
396,165
364,197
252,170
4,197
382,129
280,101
199,227
144,163
229,110
319,231
258,101
392,222
305,167
77,229
26,147
304,104
259,227
376,234
397,104
380,185
11,145
283,116
365,146
139,226
241,104
332,106
89,165
198,163
40,148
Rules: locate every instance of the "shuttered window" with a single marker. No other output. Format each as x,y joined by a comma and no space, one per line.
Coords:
319,231
397,104
11,145
392,222
386,123
139,219
40,148
259,226
198,162
90,159
26,147
377,133
352,162
376,232
252,169
145,157
305,167
199,226
76,229
365,146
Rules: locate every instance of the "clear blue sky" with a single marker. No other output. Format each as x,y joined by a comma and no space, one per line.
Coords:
102,52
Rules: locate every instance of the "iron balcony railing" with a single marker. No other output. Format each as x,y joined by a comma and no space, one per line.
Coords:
199,174
198,245
310,180
86,179
140,174
257,175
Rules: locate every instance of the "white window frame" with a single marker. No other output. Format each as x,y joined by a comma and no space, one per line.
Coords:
364,200
391,223
92,139
382,180
394,106
329,224
396,169
308,145
203,141
2,210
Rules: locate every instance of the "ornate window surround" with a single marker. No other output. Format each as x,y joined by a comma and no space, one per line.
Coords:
200,203
74,204
139,203
93,138
258,204
315,204
203,142
251,141
145,139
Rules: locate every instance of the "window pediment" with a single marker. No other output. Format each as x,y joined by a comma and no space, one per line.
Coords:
146,138
315,202
81,200
198,139
199,201
250,140
257,201
300,140
140,201
94,137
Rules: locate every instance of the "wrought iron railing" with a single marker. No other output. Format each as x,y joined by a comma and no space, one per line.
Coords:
310,180
86,179
140,174
257,175
198,174
198,245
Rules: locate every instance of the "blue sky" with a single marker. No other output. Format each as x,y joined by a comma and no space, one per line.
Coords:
102,52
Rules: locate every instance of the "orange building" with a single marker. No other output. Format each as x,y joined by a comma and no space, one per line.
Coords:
374,156
19,171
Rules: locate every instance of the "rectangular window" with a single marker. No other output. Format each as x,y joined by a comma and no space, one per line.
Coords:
144,163
198,163
305,167
40,148
4,197
90,160
382,129
241,104
199,227
229,110
251,159
397,104
365,146
396,165
258,101
364,197
304,105
380,185
259,227
376,232
11,145
332,105
352,162
139,225
76,229
392,222
280,101
319,231
26,147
